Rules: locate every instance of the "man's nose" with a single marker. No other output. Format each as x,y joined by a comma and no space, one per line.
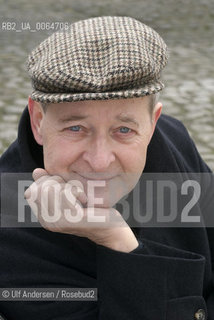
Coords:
99,154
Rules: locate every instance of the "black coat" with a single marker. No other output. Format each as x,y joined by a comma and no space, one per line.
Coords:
169,276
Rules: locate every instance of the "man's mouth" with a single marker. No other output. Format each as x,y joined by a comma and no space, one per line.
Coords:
97,176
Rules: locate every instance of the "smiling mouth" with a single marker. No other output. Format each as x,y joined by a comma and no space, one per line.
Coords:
96,177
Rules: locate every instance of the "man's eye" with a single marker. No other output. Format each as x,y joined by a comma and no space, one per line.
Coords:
125,130
75,128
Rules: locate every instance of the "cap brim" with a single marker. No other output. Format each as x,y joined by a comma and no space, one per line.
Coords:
72,97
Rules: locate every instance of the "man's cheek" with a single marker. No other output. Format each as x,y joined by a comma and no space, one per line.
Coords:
53,159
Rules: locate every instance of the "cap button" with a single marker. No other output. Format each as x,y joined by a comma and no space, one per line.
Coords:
200,314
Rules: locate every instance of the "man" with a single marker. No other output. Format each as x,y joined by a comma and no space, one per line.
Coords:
91,132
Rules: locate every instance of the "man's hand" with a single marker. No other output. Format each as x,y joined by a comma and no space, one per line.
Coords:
62,207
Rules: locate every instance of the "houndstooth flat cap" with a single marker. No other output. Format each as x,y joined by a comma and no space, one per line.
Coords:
96,59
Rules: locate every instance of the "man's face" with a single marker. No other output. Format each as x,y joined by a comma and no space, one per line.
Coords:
101,141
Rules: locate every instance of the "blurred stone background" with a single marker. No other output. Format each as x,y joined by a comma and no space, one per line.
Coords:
187,26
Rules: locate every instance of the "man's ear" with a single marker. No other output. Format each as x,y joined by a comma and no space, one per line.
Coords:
157,112
36,118
155,115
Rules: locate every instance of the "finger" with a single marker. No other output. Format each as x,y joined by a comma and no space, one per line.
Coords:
81,196
42,179
38,173
41,175
30,191
78,191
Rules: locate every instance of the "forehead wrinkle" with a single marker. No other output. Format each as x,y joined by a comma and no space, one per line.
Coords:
73,118
125,117
128,119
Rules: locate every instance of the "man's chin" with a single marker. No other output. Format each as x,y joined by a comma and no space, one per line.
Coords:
103,200
103,193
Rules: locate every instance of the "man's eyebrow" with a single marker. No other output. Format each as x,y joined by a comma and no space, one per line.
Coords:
121,117
127,119
73,118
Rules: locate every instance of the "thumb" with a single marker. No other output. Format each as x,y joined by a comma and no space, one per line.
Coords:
38,173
